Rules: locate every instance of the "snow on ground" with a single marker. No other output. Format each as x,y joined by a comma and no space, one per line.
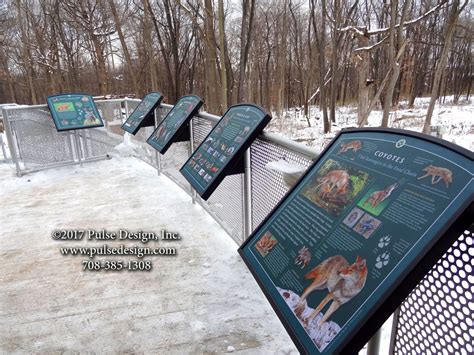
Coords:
204,300
458,120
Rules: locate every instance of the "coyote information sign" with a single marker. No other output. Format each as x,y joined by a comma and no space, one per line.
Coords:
143,114
74,111
222,150
357,232
174,127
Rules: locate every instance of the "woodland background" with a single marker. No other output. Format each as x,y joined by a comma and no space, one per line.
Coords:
275,53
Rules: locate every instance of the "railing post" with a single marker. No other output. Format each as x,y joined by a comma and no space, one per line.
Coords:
157,156
78,147
191,150
393,336
373,345
11,143
247,198
127,137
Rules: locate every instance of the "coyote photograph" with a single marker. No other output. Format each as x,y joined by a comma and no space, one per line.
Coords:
377,198
340,281
335,186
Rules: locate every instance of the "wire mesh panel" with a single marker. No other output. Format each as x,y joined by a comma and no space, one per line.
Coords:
225,204
39,145
38,142
96,142
269,186
437,316
173,160
113,114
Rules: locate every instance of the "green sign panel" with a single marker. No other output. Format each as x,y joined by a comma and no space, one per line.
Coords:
174,126
74,111
143,114
222,150
371,210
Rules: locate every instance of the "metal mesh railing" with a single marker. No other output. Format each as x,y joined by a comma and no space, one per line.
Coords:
435,318
225,204
37,141
268,186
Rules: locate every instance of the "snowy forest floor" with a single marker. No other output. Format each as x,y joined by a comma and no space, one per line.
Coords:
456,119
203,300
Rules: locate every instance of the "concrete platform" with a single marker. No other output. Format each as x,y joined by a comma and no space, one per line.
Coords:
203,300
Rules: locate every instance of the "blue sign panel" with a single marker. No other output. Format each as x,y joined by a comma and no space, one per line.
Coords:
175,123
142,113
349,241
74,111
223,148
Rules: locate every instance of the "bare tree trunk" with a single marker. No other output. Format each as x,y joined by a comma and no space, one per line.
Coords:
222,57
149,48
128,59
364,85
321,45
27,57
395,66
211,80
334,58
248,12
440,67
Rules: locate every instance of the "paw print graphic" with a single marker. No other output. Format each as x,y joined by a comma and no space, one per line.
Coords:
384,241
382,260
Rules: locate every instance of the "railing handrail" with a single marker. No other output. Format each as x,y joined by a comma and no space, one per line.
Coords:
266,136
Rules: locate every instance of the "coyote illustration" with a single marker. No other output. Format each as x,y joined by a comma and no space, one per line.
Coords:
303,258
343,281
266,243
378,197
336,179
354,145
437,173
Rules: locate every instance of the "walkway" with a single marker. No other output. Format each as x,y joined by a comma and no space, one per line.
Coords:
204,300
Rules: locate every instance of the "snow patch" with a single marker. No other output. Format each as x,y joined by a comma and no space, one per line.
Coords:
285,167
321,335
126,149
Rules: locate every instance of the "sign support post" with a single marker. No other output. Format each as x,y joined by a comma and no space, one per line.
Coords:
157,156
373,345
11,142
190,152
247,182
78,147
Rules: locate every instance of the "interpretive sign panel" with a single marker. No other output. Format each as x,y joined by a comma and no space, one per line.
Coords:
142,113
362,226
222,150
174,127
74,111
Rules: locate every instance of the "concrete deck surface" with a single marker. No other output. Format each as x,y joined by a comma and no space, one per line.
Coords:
204,300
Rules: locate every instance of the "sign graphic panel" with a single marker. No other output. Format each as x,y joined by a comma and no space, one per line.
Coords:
74,111
222,149
353,228
143,111
175,123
